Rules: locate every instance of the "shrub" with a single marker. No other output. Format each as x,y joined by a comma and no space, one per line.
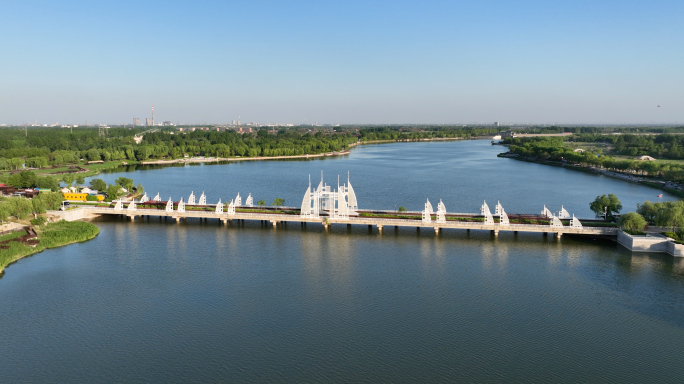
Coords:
64,232
40,220
632,222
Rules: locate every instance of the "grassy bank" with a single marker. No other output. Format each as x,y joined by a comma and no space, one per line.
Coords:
52,235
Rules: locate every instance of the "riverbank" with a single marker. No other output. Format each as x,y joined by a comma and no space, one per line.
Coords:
418,140
95,169
51,235
191,160
597,171
231,159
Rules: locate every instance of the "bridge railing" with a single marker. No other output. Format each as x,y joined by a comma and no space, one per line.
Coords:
353,219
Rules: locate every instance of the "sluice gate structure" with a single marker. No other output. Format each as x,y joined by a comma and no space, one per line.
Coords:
325,206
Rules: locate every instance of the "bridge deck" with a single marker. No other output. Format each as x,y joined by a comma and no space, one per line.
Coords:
372,221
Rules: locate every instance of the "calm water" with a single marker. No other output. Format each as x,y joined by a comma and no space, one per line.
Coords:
155,301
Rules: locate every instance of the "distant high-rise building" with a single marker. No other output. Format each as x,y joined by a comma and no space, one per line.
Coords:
148,122
496,124
136,121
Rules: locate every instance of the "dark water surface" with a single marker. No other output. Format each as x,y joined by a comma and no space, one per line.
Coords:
155,301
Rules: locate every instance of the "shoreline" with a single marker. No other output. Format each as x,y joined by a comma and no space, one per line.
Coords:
234,159
596,171
40,247
197,160
347,151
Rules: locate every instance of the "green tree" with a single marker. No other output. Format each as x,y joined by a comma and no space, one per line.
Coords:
93,155
80,180
23,179
47,182
402,209
28,179
4,212
261,203
68,179
39,205
632,222
125,182
19,206
648,210
113,192
50,200
671,214
278,202
606,204
98,184
14,180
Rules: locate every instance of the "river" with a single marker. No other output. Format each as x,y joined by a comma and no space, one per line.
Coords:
156,301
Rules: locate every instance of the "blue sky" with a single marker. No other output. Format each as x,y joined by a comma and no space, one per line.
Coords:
342,62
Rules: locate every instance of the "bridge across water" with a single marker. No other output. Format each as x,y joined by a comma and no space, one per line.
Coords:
327,206
380,223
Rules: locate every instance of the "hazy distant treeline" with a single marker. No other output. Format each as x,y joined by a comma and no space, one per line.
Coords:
54,147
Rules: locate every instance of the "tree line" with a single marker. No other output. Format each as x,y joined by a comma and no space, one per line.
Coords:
667,146
21,207
58,147
399,133
554,148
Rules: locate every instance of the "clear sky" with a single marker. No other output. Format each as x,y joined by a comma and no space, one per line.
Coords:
342,61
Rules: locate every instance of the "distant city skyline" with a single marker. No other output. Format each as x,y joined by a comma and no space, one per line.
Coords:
399,62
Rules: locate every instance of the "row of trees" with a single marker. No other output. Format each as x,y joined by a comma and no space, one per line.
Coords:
396,133
666,145
28,179
21,207
554,149
663,214
56,147
114,191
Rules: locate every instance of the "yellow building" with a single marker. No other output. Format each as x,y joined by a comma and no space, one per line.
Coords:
75,196
80,196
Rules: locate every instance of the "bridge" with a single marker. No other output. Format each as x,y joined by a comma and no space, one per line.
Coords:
378,222
326,206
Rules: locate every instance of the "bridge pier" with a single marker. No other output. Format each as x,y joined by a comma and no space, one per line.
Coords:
495,232
178,220
275,224
379,228
558,235
437,231
132,218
